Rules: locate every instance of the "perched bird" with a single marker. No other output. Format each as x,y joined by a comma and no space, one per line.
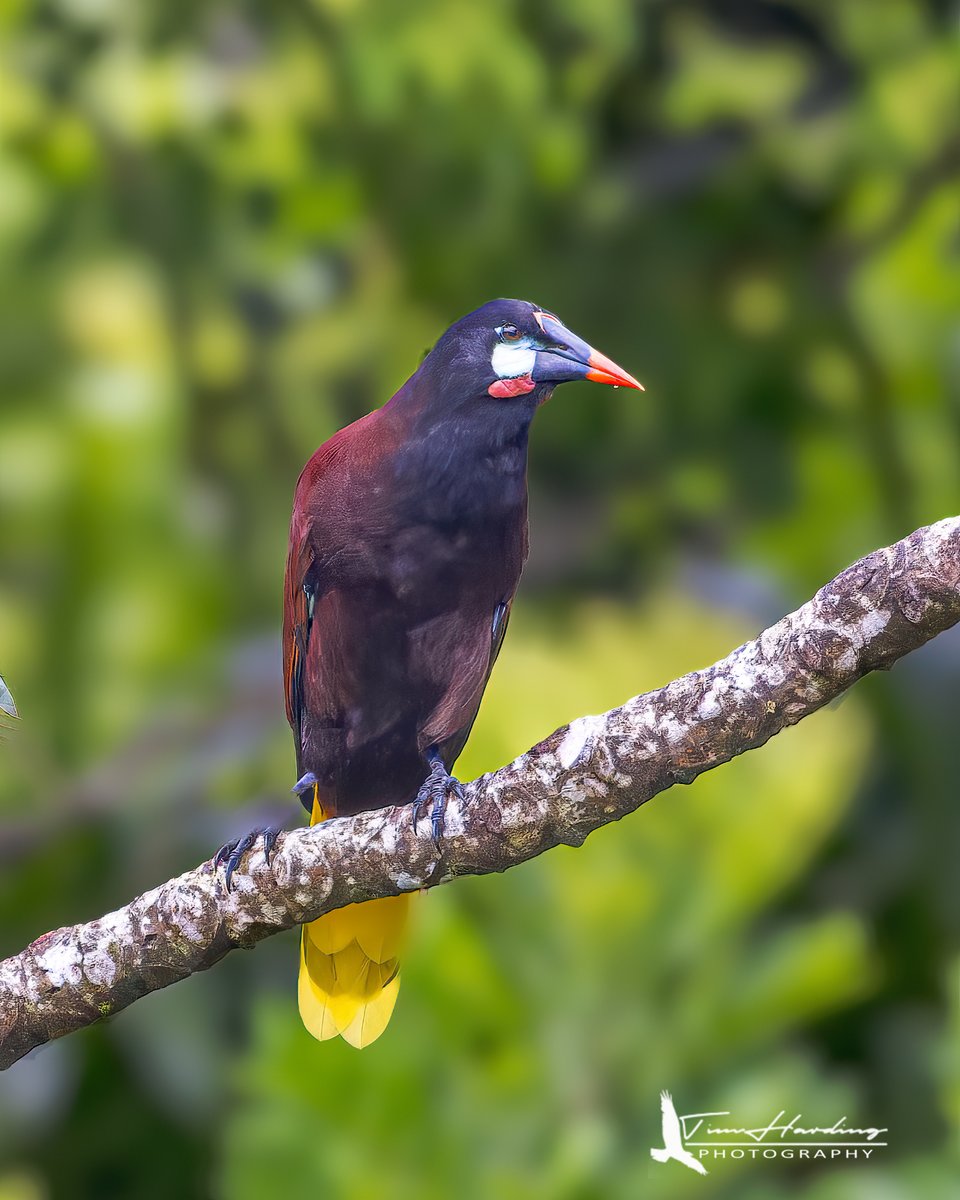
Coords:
408,536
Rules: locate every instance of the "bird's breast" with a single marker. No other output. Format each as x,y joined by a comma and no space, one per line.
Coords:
462,473
508,462
433,567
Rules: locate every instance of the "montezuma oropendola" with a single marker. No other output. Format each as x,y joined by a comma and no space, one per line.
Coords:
408,536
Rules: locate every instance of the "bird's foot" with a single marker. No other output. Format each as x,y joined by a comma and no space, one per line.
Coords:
437,789
229,856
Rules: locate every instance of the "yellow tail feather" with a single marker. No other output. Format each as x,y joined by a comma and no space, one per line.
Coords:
349,969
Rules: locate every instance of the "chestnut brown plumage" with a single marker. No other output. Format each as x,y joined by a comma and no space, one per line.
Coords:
408,536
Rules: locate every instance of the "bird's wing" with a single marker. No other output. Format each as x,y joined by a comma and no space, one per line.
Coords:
671,1124
498,632
452,746
316,492
298,602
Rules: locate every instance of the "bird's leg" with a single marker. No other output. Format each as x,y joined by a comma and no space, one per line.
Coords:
437,788
229,856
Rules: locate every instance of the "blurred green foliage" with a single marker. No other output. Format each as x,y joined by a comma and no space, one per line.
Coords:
228,228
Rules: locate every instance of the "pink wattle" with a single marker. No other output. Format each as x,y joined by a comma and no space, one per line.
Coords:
504,388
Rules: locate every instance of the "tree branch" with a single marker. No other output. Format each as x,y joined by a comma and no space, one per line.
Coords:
595,770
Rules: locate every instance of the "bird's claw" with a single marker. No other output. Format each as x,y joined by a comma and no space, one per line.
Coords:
437,789
229,856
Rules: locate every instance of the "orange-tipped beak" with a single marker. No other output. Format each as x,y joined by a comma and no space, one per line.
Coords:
605,370
569,357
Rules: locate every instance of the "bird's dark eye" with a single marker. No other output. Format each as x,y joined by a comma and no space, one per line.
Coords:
509,333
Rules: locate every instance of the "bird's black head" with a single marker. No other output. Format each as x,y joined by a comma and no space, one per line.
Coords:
464,417
512,348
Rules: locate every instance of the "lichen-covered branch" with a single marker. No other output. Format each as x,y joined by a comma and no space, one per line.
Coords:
595,770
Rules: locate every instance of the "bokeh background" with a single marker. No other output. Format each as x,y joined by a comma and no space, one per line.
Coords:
228,229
